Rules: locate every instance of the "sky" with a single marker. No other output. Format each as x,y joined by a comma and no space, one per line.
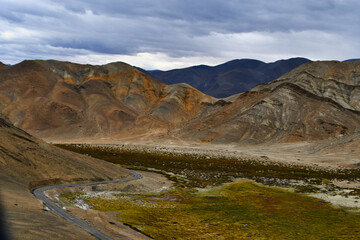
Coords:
167,34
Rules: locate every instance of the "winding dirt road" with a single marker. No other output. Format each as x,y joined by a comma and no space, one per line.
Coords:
39,193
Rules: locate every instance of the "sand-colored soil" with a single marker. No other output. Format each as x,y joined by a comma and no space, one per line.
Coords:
341,152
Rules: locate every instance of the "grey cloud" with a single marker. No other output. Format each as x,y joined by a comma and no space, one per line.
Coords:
172,27
230,15
9,16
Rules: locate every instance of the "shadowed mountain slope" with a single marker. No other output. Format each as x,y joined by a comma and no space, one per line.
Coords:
229,78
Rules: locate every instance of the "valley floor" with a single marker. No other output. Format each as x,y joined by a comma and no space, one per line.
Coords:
306,157
194,205
195,209
341,152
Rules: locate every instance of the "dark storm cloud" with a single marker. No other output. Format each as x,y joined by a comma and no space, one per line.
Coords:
165,24
230,15
177,28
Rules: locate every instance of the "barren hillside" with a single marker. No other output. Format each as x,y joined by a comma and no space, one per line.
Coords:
316,101
27,162
52,99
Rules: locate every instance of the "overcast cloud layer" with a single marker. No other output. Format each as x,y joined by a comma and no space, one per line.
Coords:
164,34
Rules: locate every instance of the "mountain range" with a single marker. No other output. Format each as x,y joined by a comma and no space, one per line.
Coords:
228,78
66,101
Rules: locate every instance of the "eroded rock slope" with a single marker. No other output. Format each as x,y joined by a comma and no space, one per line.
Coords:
66,100
316,101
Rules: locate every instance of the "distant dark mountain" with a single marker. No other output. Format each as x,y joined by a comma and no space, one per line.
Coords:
141,69
352,60
229,78
4,65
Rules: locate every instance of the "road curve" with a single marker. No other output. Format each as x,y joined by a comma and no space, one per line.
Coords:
39,193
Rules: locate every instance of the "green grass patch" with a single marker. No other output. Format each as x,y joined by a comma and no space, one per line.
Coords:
68,198
239,210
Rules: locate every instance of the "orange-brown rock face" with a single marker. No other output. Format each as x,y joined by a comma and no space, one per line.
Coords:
65,100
